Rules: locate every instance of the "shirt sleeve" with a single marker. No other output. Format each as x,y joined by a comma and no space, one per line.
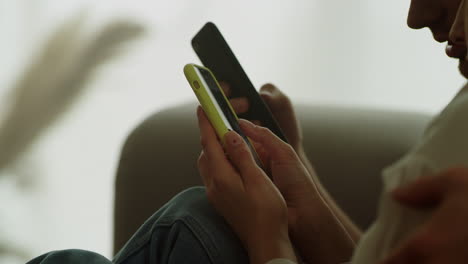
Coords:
443,146
393,221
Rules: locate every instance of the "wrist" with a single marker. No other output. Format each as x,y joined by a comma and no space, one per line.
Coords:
320,237
263,250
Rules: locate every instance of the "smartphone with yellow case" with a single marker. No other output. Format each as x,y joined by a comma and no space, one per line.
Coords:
215,104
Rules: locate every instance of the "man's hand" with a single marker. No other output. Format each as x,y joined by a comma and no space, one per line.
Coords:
444,237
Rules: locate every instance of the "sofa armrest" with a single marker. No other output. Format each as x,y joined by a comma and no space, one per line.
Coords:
348,147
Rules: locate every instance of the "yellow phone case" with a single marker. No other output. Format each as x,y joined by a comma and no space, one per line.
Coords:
203,94
212,110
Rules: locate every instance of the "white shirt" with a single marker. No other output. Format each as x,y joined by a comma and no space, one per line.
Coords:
443,145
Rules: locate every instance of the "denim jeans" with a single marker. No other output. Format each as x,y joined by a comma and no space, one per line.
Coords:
185,230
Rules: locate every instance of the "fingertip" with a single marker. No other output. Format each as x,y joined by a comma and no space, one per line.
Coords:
249,128
266,92
244,123
226,88
240,105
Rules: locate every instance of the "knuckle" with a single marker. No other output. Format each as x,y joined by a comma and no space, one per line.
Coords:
241,157
218,185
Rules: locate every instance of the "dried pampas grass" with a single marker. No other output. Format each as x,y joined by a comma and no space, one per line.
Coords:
55,79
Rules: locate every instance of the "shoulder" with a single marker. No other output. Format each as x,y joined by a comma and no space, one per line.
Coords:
445,142
443,145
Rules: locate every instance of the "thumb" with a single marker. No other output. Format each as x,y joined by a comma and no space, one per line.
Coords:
281,107
276,100
425,192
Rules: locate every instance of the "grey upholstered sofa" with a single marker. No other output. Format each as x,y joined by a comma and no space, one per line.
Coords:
348,147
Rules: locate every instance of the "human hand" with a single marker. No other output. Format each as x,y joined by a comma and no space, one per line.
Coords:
310,206
444,237
316,231
280,106
282,109
244,195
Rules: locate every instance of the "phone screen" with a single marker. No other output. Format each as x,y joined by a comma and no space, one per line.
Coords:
215,54
218,100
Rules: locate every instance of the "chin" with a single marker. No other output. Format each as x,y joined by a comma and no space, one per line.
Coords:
463,67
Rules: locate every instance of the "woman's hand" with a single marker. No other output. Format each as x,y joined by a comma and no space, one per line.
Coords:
244,195
280,106
444,237
307,199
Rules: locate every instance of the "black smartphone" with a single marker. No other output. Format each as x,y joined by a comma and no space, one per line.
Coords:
215,54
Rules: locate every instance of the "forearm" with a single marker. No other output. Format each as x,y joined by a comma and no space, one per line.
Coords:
320,237
353,231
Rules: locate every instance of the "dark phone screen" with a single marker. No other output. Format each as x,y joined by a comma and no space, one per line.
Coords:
216,55
219,99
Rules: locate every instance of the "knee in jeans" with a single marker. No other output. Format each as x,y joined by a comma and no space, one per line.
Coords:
190,202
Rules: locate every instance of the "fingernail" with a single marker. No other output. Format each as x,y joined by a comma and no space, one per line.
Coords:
266,95
266,92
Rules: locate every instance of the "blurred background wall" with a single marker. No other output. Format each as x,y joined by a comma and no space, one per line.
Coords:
59,193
